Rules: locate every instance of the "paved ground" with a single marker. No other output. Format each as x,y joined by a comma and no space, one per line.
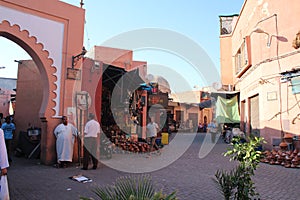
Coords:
189,175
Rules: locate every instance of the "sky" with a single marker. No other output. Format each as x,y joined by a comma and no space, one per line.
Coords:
178,39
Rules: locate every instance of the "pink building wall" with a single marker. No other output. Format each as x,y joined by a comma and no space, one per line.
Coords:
29,97
277,106
19,20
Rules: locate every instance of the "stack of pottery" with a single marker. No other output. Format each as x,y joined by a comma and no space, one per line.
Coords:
281,157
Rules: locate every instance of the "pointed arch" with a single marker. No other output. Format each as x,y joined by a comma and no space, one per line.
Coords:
42,60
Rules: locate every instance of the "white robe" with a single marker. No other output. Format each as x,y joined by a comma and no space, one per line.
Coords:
3,154
65,137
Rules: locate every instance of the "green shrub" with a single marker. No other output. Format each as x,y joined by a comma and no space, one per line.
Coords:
226,182
238,183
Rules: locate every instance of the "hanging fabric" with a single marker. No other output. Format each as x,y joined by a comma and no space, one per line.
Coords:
227,110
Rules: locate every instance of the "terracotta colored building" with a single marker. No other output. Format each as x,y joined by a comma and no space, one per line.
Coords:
111,77
44,30
260,59
105,86
186,112
63,78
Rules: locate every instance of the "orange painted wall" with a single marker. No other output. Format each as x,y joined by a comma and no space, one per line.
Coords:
29,97
226,60
117,57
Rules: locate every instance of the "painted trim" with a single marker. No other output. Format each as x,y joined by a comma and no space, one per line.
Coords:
40,28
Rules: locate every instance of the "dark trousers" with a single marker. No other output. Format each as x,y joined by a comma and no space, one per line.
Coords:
90,152
8,148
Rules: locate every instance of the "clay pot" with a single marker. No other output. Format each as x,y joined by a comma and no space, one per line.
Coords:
283,145
277,162
295,161
272,162
288,138
287,165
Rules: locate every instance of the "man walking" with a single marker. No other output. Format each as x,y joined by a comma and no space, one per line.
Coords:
91,133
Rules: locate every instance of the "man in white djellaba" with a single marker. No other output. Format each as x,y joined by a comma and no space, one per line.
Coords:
3,155
65,134
3,166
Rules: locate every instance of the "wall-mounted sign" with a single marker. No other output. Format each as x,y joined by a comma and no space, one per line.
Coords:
161,99
271,96
83,100
74,74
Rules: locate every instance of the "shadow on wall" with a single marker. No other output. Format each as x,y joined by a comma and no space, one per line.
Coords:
274,137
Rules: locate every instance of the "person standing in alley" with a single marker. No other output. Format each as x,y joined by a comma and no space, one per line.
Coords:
65,134
8,128
91,138
152,129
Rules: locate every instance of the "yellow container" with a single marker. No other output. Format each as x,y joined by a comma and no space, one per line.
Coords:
165,138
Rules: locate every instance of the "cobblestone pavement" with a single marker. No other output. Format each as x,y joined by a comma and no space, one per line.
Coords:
189,175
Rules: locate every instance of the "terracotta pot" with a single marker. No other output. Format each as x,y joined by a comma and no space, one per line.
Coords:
295,161
283,145
287,165
288,138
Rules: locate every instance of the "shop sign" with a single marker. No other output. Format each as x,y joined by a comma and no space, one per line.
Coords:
158,99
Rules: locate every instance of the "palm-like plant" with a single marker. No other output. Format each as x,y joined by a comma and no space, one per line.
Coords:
131,188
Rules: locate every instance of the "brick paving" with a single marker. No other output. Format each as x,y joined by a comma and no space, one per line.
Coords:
189,175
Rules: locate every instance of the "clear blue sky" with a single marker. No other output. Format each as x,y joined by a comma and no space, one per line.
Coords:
197,20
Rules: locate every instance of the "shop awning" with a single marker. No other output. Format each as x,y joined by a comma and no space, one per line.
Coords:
205,104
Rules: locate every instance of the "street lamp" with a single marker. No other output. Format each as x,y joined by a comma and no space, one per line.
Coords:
259,30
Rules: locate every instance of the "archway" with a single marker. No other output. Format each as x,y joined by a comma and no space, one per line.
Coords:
46,70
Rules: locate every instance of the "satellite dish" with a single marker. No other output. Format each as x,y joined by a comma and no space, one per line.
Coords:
217,85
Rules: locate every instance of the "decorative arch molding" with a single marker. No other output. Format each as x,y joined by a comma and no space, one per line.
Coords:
42,60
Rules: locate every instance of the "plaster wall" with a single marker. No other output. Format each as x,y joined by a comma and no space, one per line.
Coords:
29,97
117,57
226,60
278,107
